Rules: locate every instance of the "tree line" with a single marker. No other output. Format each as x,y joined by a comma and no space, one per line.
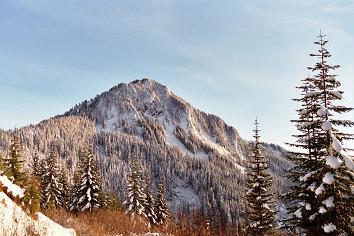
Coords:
47,187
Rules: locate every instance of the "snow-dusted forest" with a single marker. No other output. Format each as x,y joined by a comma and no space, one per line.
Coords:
140,150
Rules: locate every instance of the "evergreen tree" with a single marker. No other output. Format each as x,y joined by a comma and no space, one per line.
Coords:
161,209
149,203
2,167
135,192
321,196
32,198
302,200
13,164
51,187
87,193
37,169
259,199
337,169
63,179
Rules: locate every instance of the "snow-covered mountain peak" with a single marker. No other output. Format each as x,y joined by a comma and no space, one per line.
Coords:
150,110
198,154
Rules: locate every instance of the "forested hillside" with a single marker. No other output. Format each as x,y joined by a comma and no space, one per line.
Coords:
201,158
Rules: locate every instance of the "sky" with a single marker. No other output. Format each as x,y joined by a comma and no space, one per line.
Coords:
236,59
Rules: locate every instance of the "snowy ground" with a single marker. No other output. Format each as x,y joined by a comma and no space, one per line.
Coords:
14,221
183,196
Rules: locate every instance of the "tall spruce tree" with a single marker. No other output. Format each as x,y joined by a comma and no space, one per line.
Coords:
87,193
161,209
37,168
149,203
51,187
13,164
135,197
321,196
259,198
66,188
301,197
337,169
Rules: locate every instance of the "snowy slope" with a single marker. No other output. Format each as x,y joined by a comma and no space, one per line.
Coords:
14,221
201,158
145,107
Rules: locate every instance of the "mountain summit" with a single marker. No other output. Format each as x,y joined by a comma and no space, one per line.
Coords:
150,110
200,158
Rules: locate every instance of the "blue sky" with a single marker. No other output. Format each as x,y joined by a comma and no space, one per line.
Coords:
236,59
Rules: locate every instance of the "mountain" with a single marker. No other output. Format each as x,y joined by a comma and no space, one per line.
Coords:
147,109
200,157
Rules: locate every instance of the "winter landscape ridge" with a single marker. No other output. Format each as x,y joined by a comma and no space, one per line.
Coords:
176,118
200,157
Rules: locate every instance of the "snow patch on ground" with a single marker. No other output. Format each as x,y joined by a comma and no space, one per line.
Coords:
15,190
14,221
183,196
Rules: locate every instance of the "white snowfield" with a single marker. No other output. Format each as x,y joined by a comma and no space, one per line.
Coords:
14,221
11,188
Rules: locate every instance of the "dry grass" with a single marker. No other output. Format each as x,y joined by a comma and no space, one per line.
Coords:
109,222
100,222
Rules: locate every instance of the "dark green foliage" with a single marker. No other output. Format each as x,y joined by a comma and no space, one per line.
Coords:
13,164
32,199
259,199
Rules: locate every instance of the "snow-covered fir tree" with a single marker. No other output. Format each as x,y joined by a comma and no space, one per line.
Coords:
87,192
326,171
135,197
149,203
302,200
51,187
66,188
259,198
37,168
161,209
13,163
